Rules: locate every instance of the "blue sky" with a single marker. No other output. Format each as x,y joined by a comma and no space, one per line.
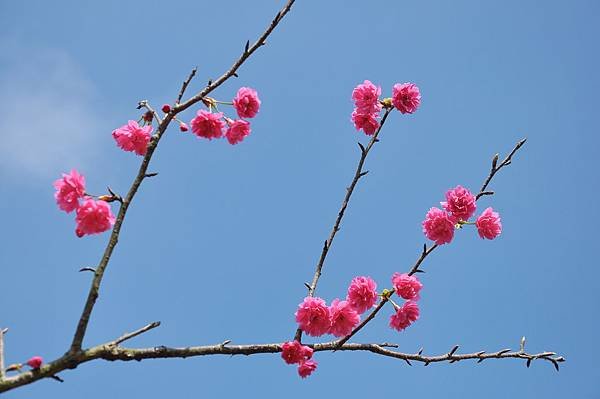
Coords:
218,245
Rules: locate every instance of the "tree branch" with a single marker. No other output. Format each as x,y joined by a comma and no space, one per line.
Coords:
2,372
364,151
82,324
117,353
426,251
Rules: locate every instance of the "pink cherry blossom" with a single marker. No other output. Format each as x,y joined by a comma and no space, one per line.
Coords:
438,226
367,122
366,98
70,188
237,131
208,124
488,224
343,318
132,137
93,217
294,352
246,102
313,316
405,315
460,203
35,362
306,368
362,293
406,97
406,286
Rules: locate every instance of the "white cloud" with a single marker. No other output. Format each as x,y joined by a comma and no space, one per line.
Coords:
47,118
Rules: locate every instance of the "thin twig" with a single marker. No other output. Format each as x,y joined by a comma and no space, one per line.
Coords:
370,317
135,333
145,104
495,168
2,331
185,84
82,324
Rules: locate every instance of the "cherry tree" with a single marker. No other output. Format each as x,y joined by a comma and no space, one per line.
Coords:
340,321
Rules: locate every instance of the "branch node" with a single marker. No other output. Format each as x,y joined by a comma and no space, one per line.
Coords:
452,351
152,174
87,269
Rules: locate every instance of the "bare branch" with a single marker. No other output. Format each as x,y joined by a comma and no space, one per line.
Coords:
135,333
496,168
2,374
186,84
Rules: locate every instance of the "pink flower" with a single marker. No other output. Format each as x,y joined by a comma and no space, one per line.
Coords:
35,362
406,97
438,226
406,286
208,125
93,217
237,131
488,224
294,352
405,316
246,102
460,203
132,137
366,98
362,293
343,318
313,316
306,368
183,127
69,189
367,122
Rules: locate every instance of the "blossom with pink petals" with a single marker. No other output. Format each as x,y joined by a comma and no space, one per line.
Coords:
294,352
405,315
132,137
367,122
406,97
438,226
313,316
488,224
35,362
343,318
460,203
306,368
70,188
366,98
208,124
237,131
362,293
93,217
406,286
246,102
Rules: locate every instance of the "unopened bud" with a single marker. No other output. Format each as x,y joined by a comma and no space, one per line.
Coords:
148,116
166,108
183,127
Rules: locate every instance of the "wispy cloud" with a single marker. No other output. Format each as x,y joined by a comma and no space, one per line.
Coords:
47,118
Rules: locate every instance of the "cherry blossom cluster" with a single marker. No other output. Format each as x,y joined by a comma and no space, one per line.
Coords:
294,352
340,318
439,225
406,287
91,216
208,124
406,98
211,125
